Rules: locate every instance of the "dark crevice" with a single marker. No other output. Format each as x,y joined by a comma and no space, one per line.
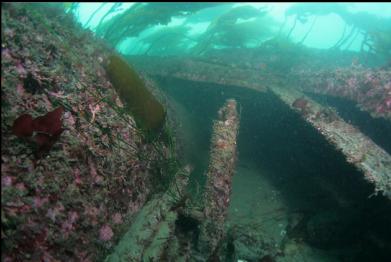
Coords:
378,129
312,176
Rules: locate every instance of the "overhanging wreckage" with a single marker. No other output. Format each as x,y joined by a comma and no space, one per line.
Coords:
358,149
164,228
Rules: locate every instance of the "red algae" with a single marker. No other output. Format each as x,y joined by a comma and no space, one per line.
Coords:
50,123
47,128
23,126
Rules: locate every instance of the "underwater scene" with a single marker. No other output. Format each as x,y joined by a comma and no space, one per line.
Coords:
196,131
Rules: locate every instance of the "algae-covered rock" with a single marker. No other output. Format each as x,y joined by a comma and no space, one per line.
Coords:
145,108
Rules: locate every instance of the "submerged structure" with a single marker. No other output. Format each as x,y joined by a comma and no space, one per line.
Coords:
166,227
235,144
359,149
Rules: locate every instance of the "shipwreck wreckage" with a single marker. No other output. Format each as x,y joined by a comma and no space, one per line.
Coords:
359,149
170,227
165,228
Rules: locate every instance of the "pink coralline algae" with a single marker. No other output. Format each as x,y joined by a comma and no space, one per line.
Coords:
69,225
105,233
20,69
78,181
20,186
5,54
39,202
62,192
92,213
369,88
6,181
387,102
117,218
54,212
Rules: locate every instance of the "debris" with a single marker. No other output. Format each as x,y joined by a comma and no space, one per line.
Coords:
219,178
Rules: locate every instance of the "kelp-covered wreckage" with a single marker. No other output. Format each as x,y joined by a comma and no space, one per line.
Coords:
89,173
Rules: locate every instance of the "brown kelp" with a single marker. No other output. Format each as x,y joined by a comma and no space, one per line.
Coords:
146,109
